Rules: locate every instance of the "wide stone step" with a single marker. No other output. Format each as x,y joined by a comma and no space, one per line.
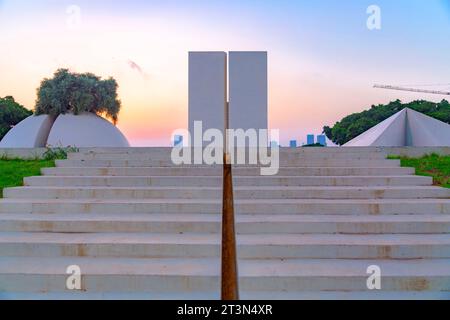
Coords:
283,155
199,278
215,171
327,162
274,192
271,246
243,295
158,153
259,206
245,224
168,150
211,181
338,295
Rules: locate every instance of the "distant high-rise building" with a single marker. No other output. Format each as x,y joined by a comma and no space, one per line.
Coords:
310,139
178,140
274,144
293,143
321,139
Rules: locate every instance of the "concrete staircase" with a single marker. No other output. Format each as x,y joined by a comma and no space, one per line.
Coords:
140,228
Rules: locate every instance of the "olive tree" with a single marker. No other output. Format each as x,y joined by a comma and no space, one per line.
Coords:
78,92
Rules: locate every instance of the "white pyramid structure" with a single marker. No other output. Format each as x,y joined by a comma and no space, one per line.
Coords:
405,128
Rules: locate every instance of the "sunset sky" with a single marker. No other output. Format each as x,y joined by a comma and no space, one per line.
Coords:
323,60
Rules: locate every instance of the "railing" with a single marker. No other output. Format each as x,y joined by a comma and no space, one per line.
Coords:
229,279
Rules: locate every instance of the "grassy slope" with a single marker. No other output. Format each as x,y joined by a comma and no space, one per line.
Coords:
12,172
432,165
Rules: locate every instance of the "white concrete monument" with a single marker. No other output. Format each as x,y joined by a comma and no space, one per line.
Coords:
85,130
207,89
248,90
31,132
407,128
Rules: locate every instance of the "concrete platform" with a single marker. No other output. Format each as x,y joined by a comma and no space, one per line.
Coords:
271,246
200,277
214,171
245,224
244,295
240,192
283,163
284,154
256,206
207,181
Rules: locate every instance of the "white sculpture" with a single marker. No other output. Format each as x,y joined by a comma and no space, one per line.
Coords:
84,130
244,85
407,128
32,132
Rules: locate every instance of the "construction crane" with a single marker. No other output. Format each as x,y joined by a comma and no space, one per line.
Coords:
380,86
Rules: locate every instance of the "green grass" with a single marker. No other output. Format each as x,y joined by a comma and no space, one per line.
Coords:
13,171
432,165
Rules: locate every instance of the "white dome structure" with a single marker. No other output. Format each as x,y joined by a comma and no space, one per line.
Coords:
86,130
29,133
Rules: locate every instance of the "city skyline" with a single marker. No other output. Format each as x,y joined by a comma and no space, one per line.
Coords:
322,58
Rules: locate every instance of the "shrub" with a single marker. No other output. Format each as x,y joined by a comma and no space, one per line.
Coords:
58,153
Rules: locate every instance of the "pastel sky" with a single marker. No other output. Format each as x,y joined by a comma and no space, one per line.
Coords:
323,60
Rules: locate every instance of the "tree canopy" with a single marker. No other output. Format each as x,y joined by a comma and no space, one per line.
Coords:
11,113
357,123
78,92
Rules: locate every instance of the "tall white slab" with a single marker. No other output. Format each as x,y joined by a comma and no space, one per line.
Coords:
248,90
207,89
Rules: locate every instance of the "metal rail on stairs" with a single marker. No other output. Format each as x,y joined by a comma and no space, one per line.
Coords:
229,278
